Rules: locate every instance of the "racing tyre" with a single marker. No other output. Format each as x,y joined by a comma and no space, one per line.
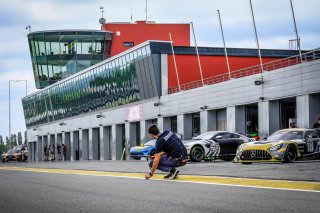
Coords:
196,154
291,154
136,158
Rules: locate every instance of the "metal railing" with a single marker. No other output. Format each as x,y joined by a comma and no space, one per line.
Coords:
273,65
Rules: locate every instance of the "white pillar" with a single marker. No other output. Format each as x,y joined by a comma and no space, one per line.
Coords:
184,123
308,110
113,142
160,124
236,119
143,131
208,120
269,118
102,143
80,144
90,145
164,74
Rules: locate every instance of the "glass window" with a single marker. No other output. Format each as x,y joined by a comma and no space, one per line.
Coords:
221,119
111,84
42,48
195,124
128,44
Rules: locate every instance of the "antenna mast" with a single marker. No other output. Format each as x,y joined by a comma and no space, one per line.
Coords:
131,11
102,20
101,9
146,10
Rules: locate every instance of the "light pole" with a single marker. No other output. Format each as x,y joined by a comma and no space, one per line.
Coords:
10,103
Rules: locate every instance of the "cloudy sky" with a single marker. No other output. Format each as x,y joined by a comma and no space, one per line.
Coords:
273,20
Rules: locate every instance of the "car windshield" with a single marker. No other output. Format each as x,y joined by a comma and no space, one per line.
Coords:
150,143
205,136
291,135
16,150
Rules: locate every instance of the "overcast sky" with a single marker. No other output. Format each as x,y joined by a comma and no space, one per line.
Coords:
273,20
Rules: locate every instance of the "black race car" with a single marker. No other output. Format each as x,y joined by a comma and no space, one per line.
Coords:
215,144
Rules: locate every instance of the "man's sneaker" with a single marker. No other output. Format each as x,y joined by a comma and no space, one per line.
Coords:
167,176
173,174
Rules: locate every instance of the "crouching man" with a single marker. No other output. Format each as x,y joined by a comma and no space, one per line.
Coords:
169,153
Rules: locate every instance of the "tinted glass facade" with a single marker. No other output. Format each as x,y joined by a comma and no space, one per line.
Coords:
58,54
109,84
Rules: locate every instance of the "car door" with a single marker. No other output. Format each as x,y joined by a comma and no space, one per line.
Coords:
228,144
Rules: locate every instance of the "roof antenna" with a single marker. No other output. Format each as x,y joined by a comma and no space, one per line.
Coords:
102,20
146,10
131,11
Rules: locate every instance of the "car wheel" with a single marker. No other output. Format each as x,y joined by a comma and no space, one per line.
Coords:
136,158
196,153
291,154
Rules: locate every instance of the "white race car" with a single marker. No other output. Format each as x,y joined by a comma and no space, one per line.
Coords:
213,144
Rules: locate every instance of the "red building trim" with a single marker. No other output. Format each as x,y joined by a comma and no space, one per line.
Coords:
126,34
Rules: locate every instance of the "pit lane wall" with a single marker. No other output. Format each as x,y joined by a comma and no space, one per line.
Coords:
103,135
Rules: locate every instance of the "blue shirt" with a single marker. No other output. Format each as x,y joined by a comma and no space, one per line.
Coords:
169,143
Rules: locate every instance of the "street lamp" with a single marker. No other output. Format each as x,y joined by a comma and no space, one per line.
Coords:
10,103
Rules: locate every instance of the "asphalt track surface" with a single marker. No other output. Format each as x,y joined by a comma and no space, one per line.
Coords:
88,187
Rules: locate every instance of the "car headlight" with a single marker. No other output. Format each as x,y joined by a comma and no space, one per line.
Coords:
275,147
240,148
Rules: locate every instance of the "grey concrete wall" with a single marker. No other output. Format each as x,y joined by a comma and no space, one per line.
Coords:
39,150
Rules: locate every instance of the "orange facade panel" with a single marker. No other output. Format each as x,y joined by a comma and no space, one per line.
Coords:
127,35
188,68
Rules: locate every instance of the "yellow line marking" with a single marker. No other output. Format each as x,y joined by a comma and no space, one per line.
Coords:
217,180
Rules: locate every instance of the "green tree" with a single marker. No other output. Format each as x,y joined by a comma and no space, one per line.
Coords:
13,140
19,138
3,148
1,140
7,140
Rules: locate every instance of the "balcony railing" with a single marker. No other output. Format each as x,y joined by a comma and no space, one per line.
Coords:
273,65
